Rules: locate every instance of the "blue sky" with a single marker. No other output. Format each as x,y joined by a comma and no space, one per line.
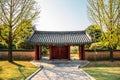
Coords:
62,15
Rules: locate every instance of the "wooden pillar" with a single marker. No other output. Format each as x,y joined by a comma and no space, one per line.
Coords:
40,51
79,55
37,52
68,52
50,56
82,52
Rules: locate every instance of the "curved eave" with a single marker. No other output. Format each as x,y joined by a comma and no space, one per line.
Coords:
29,39
60,38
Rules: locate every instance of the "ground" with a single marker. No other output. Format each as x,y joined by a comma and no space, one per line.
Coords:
18,70
104,70
61,70
100,70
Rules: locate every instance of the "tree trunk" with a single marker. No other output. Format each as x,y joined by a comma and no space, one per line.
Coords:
111,54
10,58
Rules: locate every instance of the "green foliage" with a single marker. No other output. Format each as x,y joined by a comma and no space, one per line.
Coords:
25,45
2,46
15,18
101,42
24,30
95,32
105,13
45,50
74,49
99,46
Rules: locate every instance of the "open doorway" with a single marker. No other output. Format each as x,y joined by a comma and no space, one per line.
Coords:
45,52
74,52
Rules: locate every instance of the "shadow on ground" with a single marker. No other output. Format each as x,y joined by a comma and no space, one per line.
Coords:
20,69
61,63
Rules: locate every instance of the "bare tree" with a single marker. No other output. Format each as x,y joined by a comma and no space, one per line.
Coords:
12,14
106,14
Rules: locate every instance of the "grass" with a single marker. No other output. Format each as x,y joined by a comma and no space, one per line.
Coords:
104,70
18,70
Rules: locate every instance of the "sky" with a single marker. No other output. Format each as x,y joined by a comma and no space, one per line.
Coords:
62,15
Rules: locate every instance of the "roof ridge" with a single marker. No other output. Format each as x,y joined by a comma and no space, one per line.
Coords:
61,31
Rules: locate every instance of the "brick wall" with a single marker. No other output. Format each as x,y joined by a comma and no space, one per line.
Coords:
89,55
101,55
18,55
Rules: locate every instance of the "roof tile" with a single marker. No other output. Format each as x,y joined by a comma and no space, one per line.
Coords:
64,37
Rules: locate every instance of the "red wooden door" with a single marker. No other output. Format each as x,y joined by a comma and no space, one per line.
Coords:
59,52
55,52
64,52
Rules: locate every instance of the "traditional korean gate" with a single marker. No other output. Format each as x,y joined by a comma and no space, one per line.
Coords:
59,52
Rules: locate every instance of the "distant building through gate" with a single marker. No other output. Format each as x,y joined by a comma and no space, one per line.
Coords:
59,43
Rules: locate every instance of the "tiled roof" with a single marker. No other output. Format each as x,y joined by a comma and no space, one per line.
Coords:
60,38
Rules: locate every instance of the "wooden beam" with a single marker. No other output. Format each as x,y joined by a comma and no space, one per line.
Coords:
37,52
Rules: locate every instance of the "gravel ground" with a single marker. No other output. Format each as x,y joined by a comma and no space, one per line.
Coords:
63,70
